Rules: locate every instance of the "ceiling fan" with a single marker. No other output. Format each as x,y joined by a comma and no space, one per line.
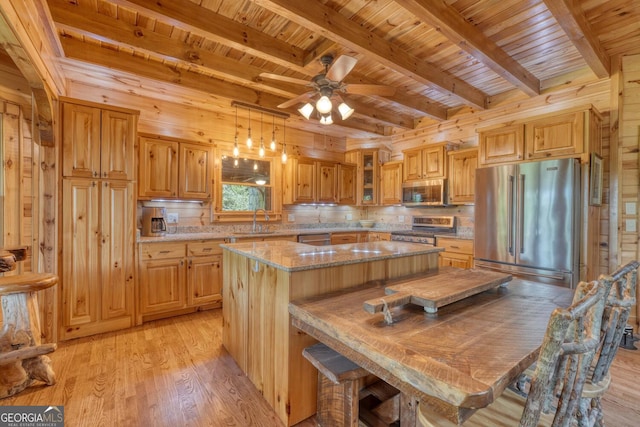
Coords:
328,85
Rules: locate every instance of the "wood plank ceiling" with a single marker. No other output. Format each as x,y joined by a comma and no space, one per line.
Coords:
444,58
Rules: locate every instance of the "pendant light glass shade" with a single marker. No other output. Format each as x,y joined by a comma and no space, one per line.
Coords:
326,119
324,105
306,110
345,111
249,140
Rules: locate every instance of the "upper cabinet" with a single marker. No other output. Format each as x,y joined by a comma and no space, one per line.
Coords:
347,183
174,169
368,174
327,179
502,145
98,142
462,175
570,133
299,181
391,183
424,163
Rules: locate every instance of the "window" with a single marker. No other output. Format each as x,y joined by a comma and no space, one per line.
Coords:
246,184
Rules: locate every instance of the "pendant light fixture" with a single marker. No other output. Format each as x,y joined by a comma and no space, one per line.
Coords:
272,146
284,145
261,151
236,150
249,140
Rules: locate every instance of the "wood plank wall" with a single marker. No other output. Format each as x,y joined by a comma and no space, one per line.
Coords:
17,184
629,145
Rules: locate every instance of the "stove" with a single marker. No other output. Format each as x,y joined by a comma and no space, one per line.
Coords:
424,228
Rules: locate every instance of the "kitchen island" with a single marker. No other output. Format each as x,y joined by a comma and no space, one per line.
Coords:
259,281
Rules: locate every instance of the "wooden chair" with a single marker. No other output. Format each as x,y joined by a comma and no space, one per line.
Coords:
620,300
562,368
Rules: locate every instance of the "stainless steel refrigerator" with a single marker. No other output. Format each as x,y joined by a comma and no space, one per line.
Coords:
527,220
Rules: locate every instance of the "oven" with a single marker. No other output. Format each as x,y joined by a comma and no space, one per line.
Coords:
424,229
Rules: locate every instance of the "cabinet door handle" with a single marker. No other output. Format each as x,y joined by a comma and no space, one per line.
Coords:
455,247
164,252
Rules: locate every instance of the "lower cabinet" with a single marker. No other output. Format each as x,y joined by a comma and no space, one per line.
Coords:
348,237
378,236
179,277
457,253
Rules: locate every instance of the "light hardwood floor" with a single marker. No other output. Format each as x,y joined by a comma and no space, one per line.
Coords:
175,372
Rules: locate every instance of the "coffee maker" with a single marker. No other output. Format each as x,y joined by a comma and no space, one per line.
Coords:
153,221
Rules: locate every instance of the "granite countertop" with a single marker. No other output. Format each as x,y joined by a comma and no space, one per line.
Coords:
168,237
291,256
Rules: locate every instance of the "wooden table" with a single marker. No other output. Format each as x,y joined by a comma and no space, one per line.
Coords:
453,361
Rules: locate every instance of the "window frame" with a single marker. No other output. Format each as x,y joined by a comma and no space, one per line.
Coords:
275,179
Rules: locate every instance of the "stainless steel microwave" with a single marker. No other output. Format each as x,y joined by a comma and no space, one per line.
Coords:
432,192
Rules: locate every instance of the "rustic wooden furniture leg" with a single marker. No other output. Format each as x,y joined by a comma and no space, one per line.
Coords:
338,386
22,357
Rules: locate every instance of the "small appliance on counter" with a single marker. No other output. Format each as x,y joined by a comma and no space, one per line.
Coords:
153,222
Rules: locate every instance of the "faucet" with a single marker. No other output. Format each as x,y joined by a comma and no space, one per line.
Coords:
255,212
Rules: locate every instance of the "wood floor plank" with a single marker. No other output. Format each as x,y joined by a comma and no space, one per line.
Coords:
175,372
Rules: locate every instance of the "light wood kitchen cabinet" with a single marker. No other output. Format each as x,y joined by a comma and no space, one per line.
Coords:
502,145
299,181
179,277
318,181
556,135
98,142
158,170
462,175
368,174
424,163
378,236
457,253
347,183
97,274
326,191
196,165
562,134
348,237
391,183
174,169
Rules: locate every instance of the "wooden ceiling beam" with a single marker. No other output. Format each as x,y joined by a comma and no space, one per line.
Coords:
331,24
572,20
189,16
98,26
41,98
470,39
170,73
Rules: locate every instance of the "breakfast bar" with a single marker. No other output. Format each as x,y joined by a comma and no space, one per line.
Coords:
259,281
452,362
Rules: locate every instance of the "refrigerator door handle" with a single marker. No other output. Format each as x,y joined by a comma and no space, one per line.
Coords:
521,214
510,190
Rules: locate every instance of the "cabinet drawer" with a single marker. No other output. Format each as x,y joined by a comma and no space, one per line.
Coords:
162,251
337,239
204,248
463,246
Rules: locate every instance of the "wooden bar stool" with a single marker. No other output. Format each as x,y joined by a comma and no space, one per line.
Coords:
22,353
338,386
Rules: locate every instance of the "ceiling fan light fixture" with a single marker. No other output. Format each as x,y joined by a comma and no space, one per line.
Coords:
326,119
345,111
306,110
324,105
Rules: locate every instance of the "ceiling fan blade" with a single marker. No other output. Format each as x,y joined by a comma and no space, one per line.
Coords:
362,89
296,100
341,67
284,79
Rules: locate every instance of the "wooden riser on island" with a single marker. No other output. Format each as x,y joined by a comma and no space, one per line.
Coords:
257,330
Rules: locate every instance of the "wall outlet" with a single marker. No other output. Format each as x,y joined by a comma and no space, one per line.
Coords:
291,218
400,218
630,225
349,217
172,218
